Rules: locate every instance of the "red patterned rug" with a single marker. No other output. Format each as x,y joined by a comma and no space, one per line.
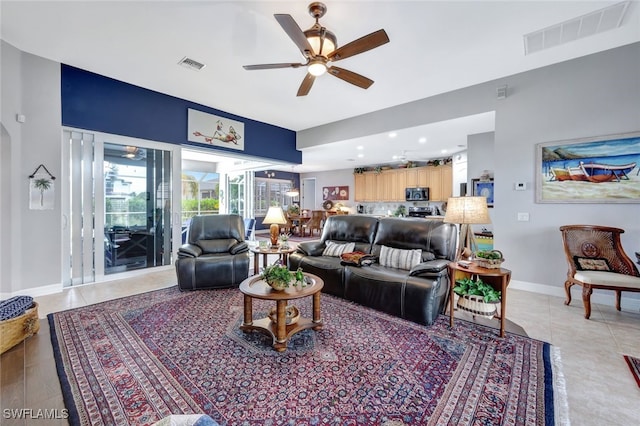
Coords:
135,360
634,366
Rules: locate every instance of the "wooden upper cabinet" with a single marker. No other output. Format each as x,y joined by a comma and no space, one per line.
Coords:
370,183
435,183
390,185
411,176
447,182
359,187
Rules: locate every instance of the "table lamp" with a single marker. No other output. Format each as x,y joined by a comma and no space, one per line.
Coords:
274,217
466,211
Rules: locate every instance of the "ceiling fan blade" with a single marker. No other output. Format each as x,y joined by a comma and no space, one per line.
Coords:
368,42
292,29
306,85
271,66
350,77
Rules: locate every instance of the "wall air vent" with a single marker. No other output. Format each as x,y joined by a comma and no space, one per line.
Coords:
601,20
191,64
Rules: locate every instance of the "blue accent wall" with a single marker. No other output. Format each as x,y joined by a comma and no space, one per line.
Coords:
95,102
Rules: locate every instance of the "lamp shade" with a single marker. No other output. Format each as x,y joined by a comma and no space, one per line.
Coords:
275,215
467,210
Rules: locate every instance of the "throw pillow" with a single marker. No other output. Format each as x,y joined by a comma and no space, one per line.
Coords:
335,250
591,263
400,259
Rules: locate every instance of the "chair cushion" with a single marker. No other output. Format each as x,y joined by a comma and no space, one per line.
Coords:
608,278
591,263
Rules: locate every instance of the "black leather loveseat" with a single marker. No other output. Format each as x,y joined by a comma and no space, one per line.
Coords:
417,294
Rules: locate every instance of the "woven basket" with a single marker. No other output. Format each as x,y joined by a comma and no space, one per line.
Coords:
477,306
15,330
489,263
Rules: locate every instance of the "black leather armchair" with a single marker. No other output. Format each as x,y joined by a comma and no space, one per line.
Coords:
216,254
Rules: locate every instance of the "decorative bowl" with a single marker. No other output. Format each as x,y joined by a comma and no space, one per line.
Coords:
292,315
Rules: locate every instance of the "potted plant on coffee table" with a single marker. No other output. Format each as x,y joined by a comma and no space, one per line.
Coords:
477,297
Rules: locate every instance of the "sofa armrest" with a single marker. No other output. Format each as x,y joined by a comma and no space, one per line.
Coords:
240,247
189,250
311,248
430,268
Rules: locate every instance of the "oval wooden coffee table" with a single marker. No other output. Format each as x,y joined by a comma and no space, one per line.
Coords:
280,332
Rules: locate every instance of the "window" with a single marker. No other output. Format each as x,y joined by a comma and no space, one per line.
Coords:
269,192
200,193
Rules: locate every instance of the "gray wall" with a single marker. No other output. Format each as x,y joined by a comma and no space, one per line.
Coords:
30,239
590,96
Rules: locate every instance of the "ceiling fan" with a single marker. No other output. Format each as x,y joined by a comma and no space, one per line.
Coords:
403,158
319,46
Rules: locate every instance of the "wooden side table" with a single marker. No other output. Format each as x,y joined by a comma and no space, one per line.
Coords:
498,278
283,254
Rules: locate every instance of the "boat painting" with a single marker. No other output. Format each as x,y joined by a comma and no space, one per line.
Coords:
593,172
590,170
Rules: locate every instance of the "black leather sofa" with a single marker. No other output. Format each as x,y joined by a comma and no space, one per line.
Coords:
418,294
215,255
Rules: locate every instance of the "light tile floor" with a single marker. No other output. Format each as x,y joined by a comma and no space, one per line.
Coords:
600,388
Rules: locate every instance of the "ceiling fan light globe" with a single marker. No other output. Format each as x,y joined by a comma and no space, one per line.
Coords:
316,69
315,37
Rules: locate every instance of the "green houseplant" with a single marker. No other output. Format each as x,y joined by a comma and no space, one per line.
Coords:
279,277
467,286
477,297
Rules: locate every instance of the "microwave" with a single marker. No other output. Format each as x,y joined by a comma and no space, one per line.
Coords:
417,194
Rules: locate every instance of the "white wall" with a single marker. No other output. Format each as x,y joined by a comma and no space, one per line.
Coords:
333,178
590,96
30,238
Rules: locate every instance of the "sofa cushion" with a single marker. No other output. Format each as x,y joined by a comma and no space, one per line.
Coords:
335,250
400,259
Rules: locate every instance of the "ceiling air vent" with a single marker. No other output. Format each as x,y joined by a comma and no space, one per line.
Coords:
601,20
191,64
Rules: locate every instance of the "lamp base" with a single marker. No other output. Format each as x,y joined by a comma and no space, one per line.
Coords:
274,233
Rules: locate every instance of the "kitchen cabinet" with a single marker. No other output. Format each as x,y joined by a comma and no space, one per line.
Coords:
390,185
359,187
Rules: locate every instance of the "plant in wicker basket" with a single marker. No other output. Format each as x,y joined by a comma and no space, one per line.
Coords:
279,277
477,296
491,259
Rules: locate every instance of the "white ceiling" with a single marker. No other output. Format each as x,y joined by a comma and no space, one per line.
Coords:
435,47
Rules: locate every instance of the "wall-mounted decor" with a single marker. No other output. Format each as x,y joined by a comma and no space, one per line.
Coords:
41,189
335,193
600,169
483,188
213,130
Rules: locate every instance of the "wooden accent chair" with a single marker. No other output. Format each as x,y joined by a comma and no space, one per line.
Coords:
314,224
597,260
292,224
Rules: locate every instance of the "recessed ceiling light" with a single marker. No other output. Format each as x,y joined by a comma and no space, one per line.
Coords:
444,151
422,140
393,134
360,155
360,147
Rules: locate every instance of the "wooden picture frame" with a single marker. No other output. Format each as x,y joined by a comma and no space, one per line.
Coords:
602,169
483,188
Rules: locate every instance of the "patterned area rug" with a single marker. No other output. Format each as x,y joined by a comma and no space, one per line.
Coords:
634,366
138,359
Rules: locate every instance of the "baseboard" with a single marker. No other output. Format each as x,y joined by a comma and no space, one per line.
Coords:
629,302
34,291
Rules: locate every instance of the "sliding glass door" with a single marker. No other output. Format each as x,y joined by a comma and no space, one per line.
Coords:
119,206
